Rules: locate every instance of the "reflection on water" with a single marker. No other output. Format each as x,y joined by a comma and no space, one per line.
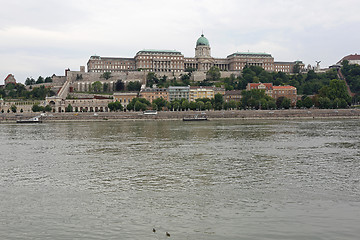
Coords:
231,179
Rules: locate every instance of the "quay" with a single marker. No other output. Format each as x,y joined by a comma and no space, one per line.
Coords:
179,115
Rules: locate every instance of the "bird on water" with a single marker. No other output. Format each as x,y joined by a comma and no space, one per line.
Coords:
154,230
167,234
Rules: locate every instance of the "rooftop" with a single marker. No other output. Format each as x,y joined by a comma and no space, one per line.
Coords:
149,51
202,41
249,54
351,58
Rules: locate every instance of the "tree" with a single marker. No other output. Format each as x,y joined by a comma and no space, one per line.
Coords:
324,103
106,75
69,108
160,103
296,68
13,108
286,103
29,81
185,105
307,102
40,80
97,86
185,79
193,106
48,79
47,108
218,101
138,104
208,105
213,74
36,108
119,86
201,105
134,86
151,79
106,87
115,106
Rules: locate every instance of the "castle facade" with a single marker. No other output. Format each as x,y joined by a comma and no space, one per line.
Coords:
172,61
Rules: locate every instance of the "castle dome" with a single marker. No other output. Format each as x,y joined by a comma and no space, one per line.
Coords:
202,41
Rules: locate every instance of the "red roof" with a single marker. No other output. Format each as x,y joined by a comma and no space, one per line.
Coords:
10,75
256,85
350,58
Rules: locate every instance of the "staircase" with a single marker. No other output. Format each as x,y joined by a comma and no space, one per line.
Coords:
64,90
341,77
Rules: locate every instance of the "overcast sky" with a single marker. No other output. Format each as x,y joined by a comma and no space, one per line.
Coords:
43,37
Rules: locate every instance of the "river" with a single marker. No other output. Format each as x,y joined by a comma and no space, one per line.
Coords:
226,179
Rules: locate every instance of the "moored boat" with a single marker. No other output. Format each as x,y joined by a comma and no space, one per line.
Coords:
31,120
195,118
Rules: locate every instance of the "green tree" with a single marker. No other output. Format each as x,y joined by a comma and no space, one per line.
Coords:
97,86
134,105
134,86
151,79
213,74
37,108
185,78
307,102
13,108
48,80
139,106
218,101
69,108
47,108
208,106
106,75
324,103
119,85
296,68
160,103
115,106
193,106
185,105
175,104
29,81
201,105
106,87
40,80
286,103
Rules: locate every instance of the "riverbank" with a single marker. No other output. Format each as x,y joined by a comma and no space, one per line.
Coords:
230,114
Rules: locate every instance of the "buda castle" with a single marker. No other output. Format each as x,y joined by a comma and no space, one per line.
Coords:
170,61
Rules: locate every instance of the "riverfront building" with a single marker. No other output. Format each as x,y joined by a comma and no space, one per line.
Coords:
178,93
172,61
353,59
275,92
151,94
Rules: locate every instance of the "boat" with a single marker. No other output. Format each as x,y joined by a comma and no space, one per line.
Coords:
195,118
150,112
31,120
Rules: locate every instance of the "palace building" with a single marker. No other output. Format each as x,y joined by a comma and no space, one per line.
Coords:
174,61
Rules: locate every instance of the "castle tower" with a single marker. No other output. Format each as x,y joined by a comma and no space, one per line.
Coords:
202,49
203,54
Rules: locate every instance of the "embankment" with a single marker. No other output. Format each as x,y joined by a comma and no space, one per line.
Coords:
230,114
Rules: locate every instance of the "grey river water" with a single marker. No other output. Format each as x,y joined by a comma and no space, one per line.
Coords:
232,179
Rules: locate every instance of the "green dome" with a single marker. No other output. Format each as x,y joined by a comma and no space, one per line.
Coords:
202,41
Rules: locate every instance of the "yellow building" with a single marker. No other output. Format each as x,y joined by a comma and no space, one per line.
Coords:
201,92
125,97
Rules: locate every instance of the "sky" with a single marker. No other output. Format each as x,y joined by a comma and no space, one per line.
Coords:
45,37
